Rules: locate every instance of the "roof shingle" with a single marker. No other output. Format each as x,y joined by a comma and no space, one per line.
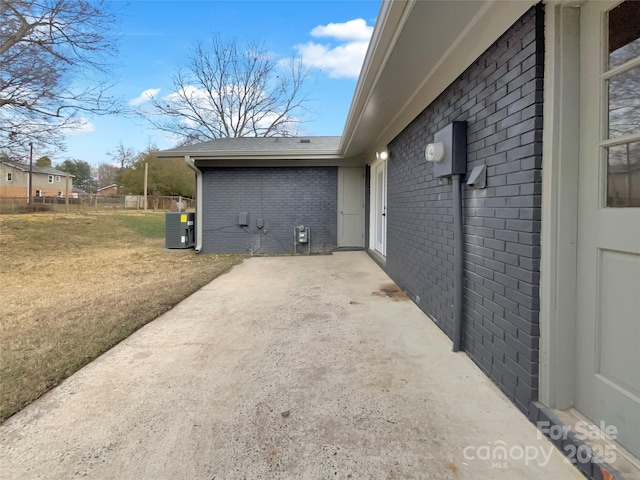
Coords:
259,145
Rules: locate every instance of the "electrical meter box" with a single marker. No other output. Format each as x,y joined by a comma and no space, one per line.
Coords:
243,219
180,230
452,139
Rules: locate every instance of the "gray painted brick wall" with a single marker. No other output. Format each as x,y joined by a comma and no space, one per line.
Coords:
284,197
500,97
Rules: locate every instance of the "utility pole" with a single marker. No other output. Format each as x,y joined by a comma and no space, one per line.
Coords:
146,175
66,189
30,173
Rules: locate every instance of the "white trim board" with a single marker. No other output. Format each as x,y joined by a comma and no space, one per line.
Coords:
559,205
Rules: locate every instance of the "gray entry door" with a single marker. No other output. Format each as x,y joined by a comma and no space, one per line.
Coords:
350,207
608,296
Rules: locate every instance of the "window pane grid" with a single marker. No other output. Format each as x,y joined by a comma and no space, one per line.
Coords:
620,86
635,63
612,142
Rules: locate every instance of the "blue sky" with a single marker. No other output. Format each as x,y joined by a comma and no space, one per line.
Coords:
330,36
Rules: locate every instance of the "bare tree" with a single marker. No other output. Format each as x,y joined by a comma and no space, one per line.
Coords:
47,49
228,91
106,174
123,156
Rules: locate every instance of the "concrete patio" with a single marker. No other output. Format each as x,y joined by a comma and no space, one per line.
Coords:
289,368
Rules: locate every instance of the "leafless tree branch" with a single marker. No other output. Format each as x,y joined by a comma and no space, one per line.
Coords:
48,48
231,91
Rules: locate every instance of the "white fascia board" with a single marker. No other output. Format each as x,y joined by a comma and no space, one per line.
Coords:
372,123
273,162
391,19
253,156
256,154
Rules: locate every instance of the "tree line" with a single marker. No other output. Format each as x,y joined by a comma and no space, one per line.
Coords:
166,177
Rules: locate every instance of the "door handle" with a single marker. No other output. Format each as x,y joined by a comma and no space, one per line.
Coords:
384,214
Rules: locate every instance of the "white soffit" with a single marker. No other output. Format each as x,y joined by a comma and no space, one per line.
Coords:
419,48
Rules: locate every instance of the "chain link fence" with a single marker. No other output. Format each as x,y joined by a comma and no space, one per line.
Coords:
95,203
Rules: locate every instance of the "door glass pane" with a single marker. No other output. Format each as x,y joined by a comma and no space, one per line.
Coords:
624,103
380,203
623,175
624,33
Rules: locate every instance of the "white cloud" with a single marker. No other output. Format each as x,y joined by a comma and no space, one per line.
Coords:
188,91
341,60
144,97
353,30
79,127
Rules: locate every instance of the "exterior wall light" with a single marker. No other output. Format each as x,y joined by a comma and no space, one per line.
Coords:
382,155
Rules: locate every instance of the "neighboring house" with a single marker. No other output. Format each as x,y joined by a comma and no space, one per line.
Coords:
109,190
79,193
46,181
551,254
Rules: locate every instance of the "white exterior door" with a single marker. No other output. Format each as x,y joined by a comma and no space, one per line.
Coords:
350,207
608,285
379,199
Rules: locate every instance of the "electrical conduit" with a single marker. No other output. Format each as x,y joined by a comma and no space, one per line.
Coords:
458,264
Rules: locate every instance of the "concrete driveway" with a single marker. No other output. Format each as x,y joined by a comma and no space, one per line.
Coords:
288,368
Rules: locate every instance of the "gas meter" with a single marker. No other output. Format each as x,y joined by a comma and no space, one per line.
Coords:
303,234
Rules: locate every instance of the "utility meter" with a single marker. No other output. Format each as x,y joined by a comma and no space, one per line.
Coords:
448,152
434,152
302,234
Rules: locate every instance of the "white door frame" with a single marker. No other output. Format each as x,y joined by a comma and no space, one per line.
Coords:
378,208
559,267
559,226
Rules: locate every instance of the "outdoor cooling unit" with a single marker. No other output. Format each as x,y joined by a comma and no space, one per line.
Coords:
180,230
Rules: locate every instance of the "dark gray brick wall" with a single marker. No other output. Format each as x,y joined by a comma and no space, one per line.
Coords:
283,196
500,98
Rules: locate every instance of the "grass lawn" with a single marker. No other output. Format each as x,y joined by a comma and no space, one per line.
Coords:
72,286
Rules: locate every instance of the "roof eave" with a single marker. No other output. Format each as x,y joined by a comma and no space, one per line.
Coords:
401,76
391,18
24,168
252,155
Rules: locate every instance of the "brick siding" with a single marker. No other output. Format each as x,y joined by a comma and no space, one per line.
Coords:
283,196
500,98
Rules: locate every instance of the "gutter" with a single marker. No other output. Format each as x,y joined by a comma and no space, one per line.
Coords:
191,164
329,156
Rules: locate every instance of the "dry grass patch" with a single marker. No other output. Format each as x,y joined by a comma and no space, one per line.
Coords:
74,286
